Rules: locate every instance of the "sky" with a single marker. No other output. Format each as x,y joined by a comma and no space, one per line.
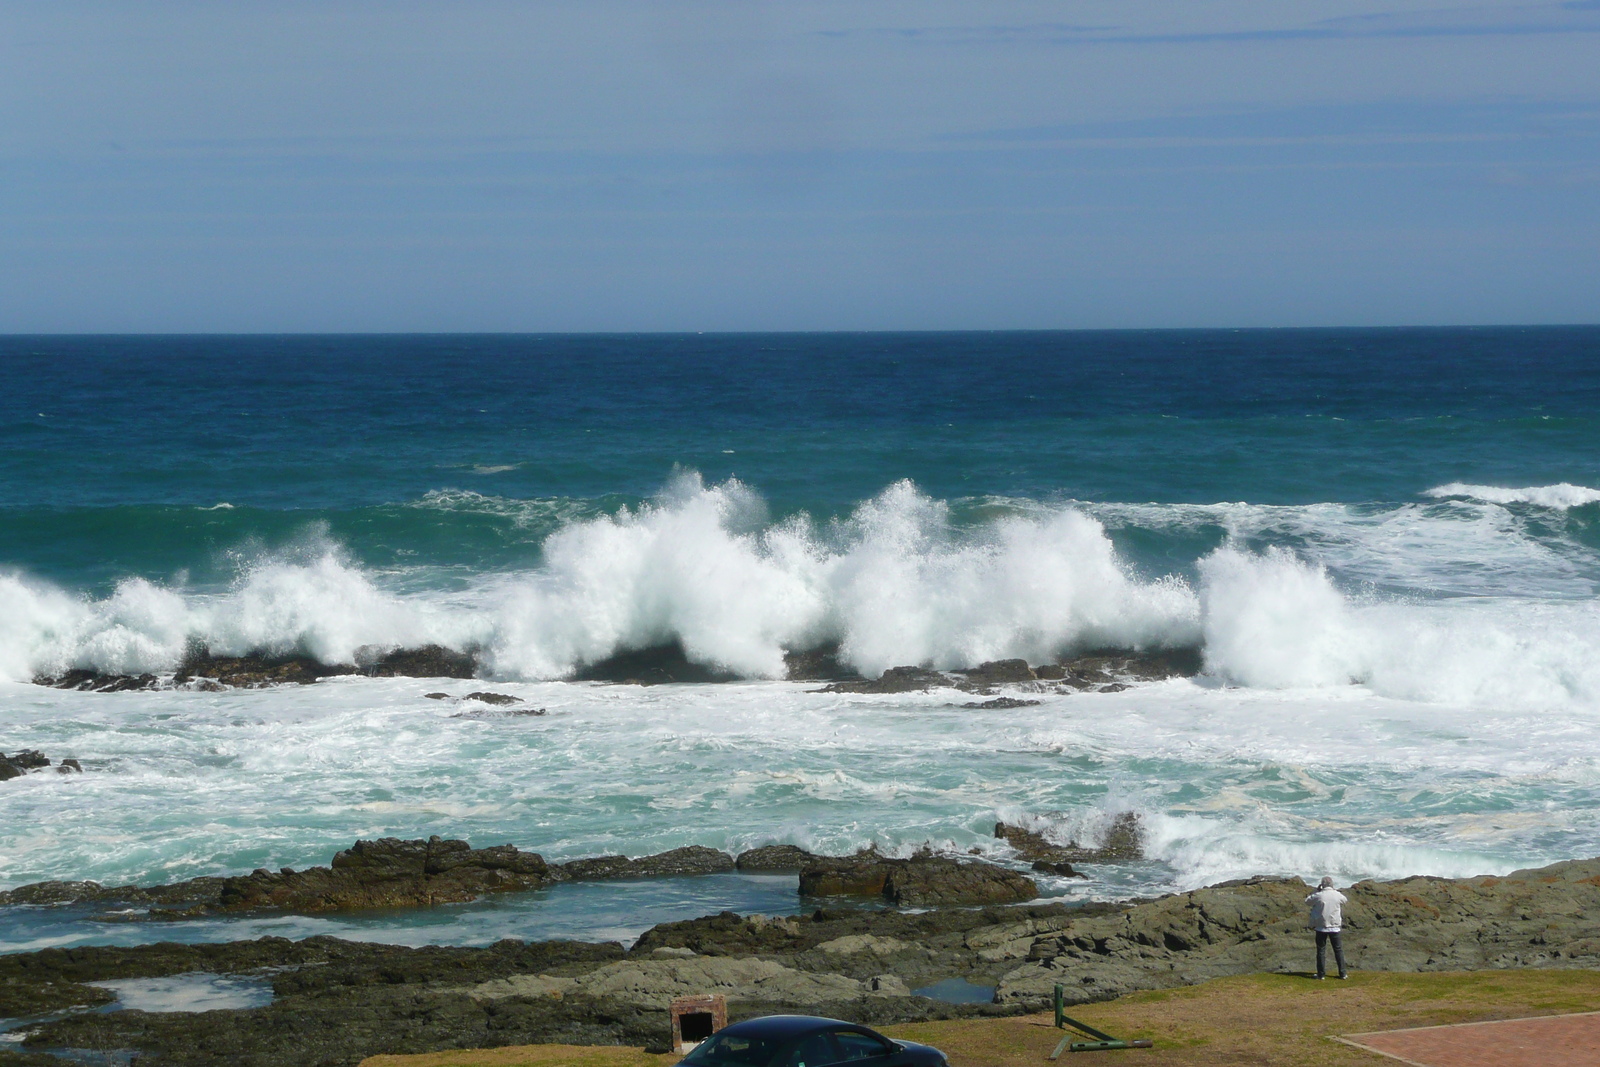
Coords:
476,165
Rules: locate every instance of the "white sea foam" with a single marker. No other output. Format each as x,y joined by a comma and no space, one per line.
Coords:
896,582
1561,496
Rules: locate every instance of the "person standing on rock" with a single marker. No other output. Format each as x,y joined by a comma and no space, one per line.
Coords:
1327,919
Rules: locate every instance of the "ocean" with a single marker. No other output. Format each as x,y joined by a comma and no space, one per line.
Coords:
1383,544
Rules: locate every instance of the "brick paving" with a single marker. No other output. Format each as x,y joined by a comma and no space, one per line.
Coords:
1565,1040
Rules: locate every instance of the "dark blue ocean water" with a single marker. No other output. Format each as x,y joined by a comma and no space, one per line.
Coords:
111,447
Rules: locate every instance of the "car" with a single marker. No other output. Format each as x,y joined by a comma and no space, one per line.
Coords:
807,1041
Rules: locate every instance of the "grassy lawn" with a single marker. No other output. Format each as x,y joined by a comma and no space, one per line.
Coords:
1271,1019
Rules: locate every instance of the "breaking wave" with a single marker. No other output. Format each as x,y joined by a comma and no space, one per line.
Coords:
898,581
1561,496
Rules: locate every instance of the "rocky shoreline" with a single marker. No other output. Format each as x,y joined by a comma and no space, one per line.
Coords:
336,1002
393,873
200,669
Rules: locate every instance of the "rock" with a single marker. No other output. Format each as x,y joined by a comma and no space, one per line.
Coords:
923,880
1000,703
69,766
436,696
91,681
998,672
1153,666
888,985
386,873
497,699
20,763
774,858
21,997
692,859
652,666
429,661
1060,868
654,982
1124,840
254,670
820,664
894,680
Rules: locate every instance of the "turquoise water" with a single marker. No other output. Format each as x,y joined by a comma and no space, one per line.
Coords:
1385,544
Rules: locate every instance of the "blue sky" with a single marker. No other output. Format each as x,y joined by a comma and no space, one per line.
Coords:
611,165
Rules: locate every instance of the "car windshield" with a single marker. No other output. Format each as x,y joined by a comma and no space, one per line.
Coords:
732,1050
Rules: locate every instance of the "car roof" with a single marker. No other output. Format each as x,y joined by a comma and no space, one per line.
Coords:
785,1027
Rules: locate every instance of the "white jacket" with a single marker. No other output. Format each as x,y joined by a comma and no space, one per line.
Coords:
1327,909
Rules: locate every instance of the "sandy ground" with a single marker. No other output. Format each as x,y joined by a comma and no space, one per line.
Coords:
1276,1019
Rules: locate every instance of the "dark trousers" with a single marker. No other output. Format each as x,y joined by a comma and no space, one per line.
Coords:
1323,937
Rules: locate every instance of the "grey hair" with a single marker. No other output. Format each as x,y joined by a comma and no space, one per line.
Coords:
1327,882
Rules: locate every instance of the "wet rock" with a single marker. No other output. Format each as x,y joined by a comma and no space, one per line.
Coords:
20,997
69,766
1125,666
921,881
496,699
894,680
774,858
998,672
91,681
429,661
436,696
20,763
9,1058
1123,840
1059,868
818,665
254,670
1000,704
652,666
690,860
389,873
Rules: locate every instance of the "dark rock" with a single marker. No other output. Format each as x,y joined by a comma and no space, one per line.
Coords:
91,681
1124,840
652,666
254,670
999,672
436,696
691,860
429,661
1050,672
21,997
30,759
28,1059
1061,868
924,880
69,766
774,858
818,665
497,699
1154,666
1000,704
9,770
894,680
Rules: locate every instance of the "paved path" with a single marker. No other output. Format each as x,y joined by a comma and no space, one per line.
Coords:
1568,1040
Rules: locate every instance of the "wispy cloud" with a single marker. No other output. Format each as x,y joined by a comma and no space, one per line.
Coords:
1573,16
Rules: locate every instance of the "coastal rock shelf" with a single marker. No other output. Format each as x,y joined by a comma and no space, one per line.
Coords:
336,1002
391,873
1101,672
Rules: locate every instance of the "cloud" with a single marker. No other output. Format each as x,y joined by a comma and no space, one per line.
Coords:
1574,16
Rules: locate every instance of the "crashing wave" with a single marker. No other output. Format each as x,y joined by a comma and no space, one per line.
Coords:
1561,496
